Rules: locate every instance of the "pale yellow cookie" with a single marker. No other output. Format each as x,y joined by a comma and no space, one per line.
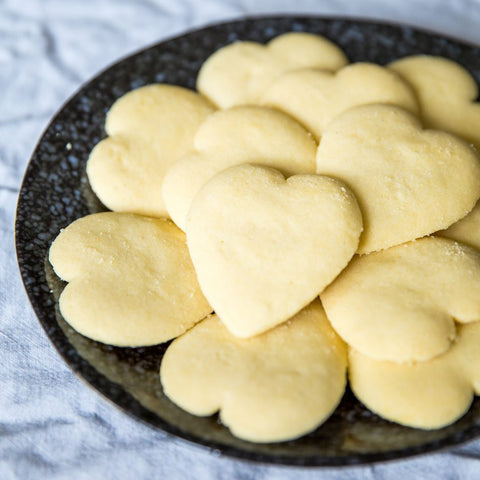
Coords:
149,128
316,97
409,182
263,247
231,137
466,230
446,93
426,395
271,388
131,280
239,73
401,304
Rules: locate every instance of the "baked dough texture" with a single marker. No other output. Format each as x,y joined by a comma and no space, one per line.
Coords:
409,182
466,230
264,247
149,128
446,93
231,137
270,388
428,395
239,73
402,304
131,280
316,97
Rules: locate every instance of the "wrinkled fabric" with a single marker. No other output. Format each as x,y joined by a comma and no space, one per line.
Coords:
52,425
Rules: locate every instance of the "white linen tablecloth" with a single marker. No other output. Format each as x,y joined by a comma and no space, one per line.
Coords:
51,425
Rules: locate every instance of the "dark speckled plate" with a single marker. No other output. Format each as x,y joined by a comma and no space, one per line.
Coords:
55,193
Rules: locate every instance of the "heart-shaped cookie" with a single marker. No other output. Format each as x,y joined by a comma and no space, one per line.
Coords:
264,247
239,73
446,92
402,304
409,182
149,129
231,137
271,388
131,280
427,395
316,97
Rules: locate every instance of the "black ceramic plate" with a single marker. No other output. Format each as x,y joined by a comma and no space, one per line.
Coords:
55,193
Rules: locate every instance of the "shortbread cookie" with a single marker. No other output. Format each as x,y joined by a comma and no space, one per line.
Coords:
149,128
231,137
466,230
316,97
274,387
131,280
446,93
409,182
426,395
264,247
239,73
401,304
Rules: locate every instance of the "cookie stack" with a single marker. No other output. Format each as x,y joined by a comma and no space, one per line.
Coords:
324,211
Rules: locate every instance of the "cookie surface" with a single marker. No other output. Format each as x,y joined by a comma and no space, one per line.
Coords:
264,247
231,137
316,97
239,73
446,93
131,280
466,230
402,304
426,395
409,182
148,129
270,388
